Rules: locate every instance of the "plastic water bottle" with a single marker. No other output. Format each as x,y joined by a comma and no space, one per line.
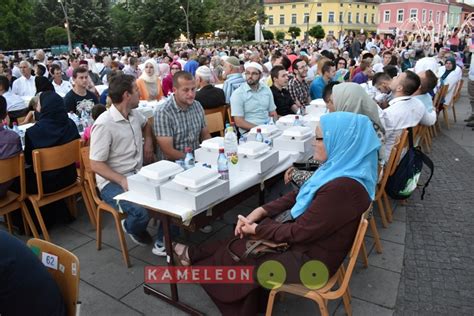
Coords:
223,165
230,145
243,139
271,121
15,128
189,158
297,121
259,136
22,137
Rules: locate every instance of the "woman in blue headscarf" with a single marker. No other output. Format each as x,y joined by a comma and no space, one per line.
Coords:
325,214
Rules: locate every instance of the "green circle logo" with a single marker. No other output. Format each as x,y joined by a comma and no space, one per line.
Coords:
314,274
271,274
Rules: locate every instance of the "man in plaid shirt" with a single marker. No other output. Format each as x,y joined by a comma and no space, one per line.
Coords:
298,87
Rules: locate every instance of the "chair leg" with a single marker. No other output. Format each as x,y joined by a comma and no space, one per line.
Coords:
382,212
9,222
364,256
123,242
29,220
271,301
347,303
40,220
454,112
445,116
323,308
90,211
388,206
99,229
375,233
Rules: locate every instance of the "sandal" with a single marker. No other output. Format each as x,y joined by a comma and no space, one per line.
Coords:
181,259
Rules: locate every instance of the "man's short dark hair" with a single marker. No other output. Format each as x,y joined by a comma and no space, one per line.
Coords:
133,61
387,52
295,63
411,82
328,54
327,91
327,67
118,85
286,62
4,83
79,70
391,70
367,55
40,70
98,58
339,59
275,70
54,67
379,77
181,74
3,107
429,83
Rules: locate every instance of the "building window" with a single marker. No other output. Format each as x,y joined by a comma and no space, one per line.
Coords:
413,13
400,15
430,18
373,7
282,19
365,18
270,20
319,4
331,33
331,17
305,5
281,7
358,6
349,17
293,6
341,17
357,17
270,8
423,16
293,18
373,18
386,16
319,17
366,6
438,15
306,18
341,5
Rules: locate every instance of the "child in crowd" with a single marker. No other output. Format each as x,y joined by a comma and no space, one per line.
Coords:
96,111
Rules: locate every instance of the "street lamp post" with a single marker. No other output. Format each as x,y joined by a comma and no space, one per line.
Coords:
66,25
187,18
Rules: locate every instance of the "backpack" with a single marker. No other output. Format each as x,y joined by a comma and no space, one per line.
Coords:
403,182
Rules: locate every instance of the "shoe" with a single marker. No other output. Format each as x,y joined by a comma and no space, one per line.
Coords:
470,124
206,229
159,249
470,118
181,259
142,239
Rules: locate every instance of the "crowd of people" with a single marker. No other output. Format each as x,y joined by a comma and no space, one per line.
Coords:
374,87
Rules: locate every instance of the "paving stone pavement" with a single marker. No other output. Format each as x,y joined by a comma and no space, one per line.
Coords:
438,274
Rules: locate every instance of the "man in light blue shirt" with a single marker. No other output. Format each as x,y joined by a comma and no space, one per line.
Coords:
252,103
234,78
316,88
428,82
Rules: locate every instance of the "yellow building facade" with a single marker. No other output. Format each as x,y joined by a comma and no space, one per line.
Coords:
333,16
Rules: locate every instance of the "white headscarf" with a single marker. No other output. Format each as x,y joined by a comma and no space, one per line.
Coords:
145,76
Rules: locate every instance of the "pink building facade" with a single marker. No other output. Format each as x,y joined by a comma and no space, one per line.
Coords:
402,15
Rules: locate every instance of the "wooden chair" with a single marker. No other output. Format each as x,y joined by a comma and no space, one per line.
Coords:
103,207
12,168
46,159
229,115
221,109
66,276
342,277
215,123
438,100
456,96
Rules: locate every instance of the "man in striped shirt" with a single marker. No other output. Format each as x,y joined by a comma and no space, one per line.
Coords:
234,77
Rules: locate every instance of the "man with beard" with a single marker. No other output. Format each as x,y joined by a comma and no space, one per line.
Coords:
298,87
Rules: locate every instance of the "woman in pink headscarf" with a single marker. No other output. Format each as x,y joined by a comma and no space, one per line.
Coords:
168,80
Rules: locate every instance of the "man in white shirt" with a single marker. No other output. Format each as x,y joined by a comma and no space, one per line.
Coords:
428,82
61,86
25,85
404,110
427,63
16,106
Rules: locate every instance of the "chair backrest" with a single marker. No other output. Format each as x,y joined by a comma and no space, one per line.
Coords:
215,123
354,252
12,168
53,158
67,273
457,92
387,168
221,109
440,95
229,115
400,148
89,175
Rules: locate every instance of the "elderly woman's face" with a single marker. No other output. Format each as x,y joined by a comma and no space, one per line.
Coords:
320,153
149,69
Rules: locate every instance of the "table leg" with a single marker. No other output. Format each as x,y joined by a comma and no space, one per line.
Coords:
174,299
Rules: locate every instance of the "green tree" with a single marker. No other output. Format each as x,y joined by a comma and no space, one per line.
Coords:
200,21
294,31
280,35
46,14
90,21
123,26
317,32
55,35
268,35
15,24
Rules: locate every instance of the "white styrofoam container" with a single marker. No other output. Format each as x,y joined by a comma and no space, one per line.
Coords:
196,178
268,132
258,164
311,121
161,171
213,144
252,149
199,200
203,155
297,133
149,188
319,103
288,144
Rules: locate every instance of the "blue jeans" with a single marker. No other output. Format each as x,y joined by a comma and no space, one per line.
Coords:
137,219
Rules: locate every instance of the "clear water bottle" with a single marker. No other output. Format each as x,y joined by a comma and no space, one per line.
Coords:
15,128
189,158
243,139
223,165
271,121
297,121
230,145
259,136
22,137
